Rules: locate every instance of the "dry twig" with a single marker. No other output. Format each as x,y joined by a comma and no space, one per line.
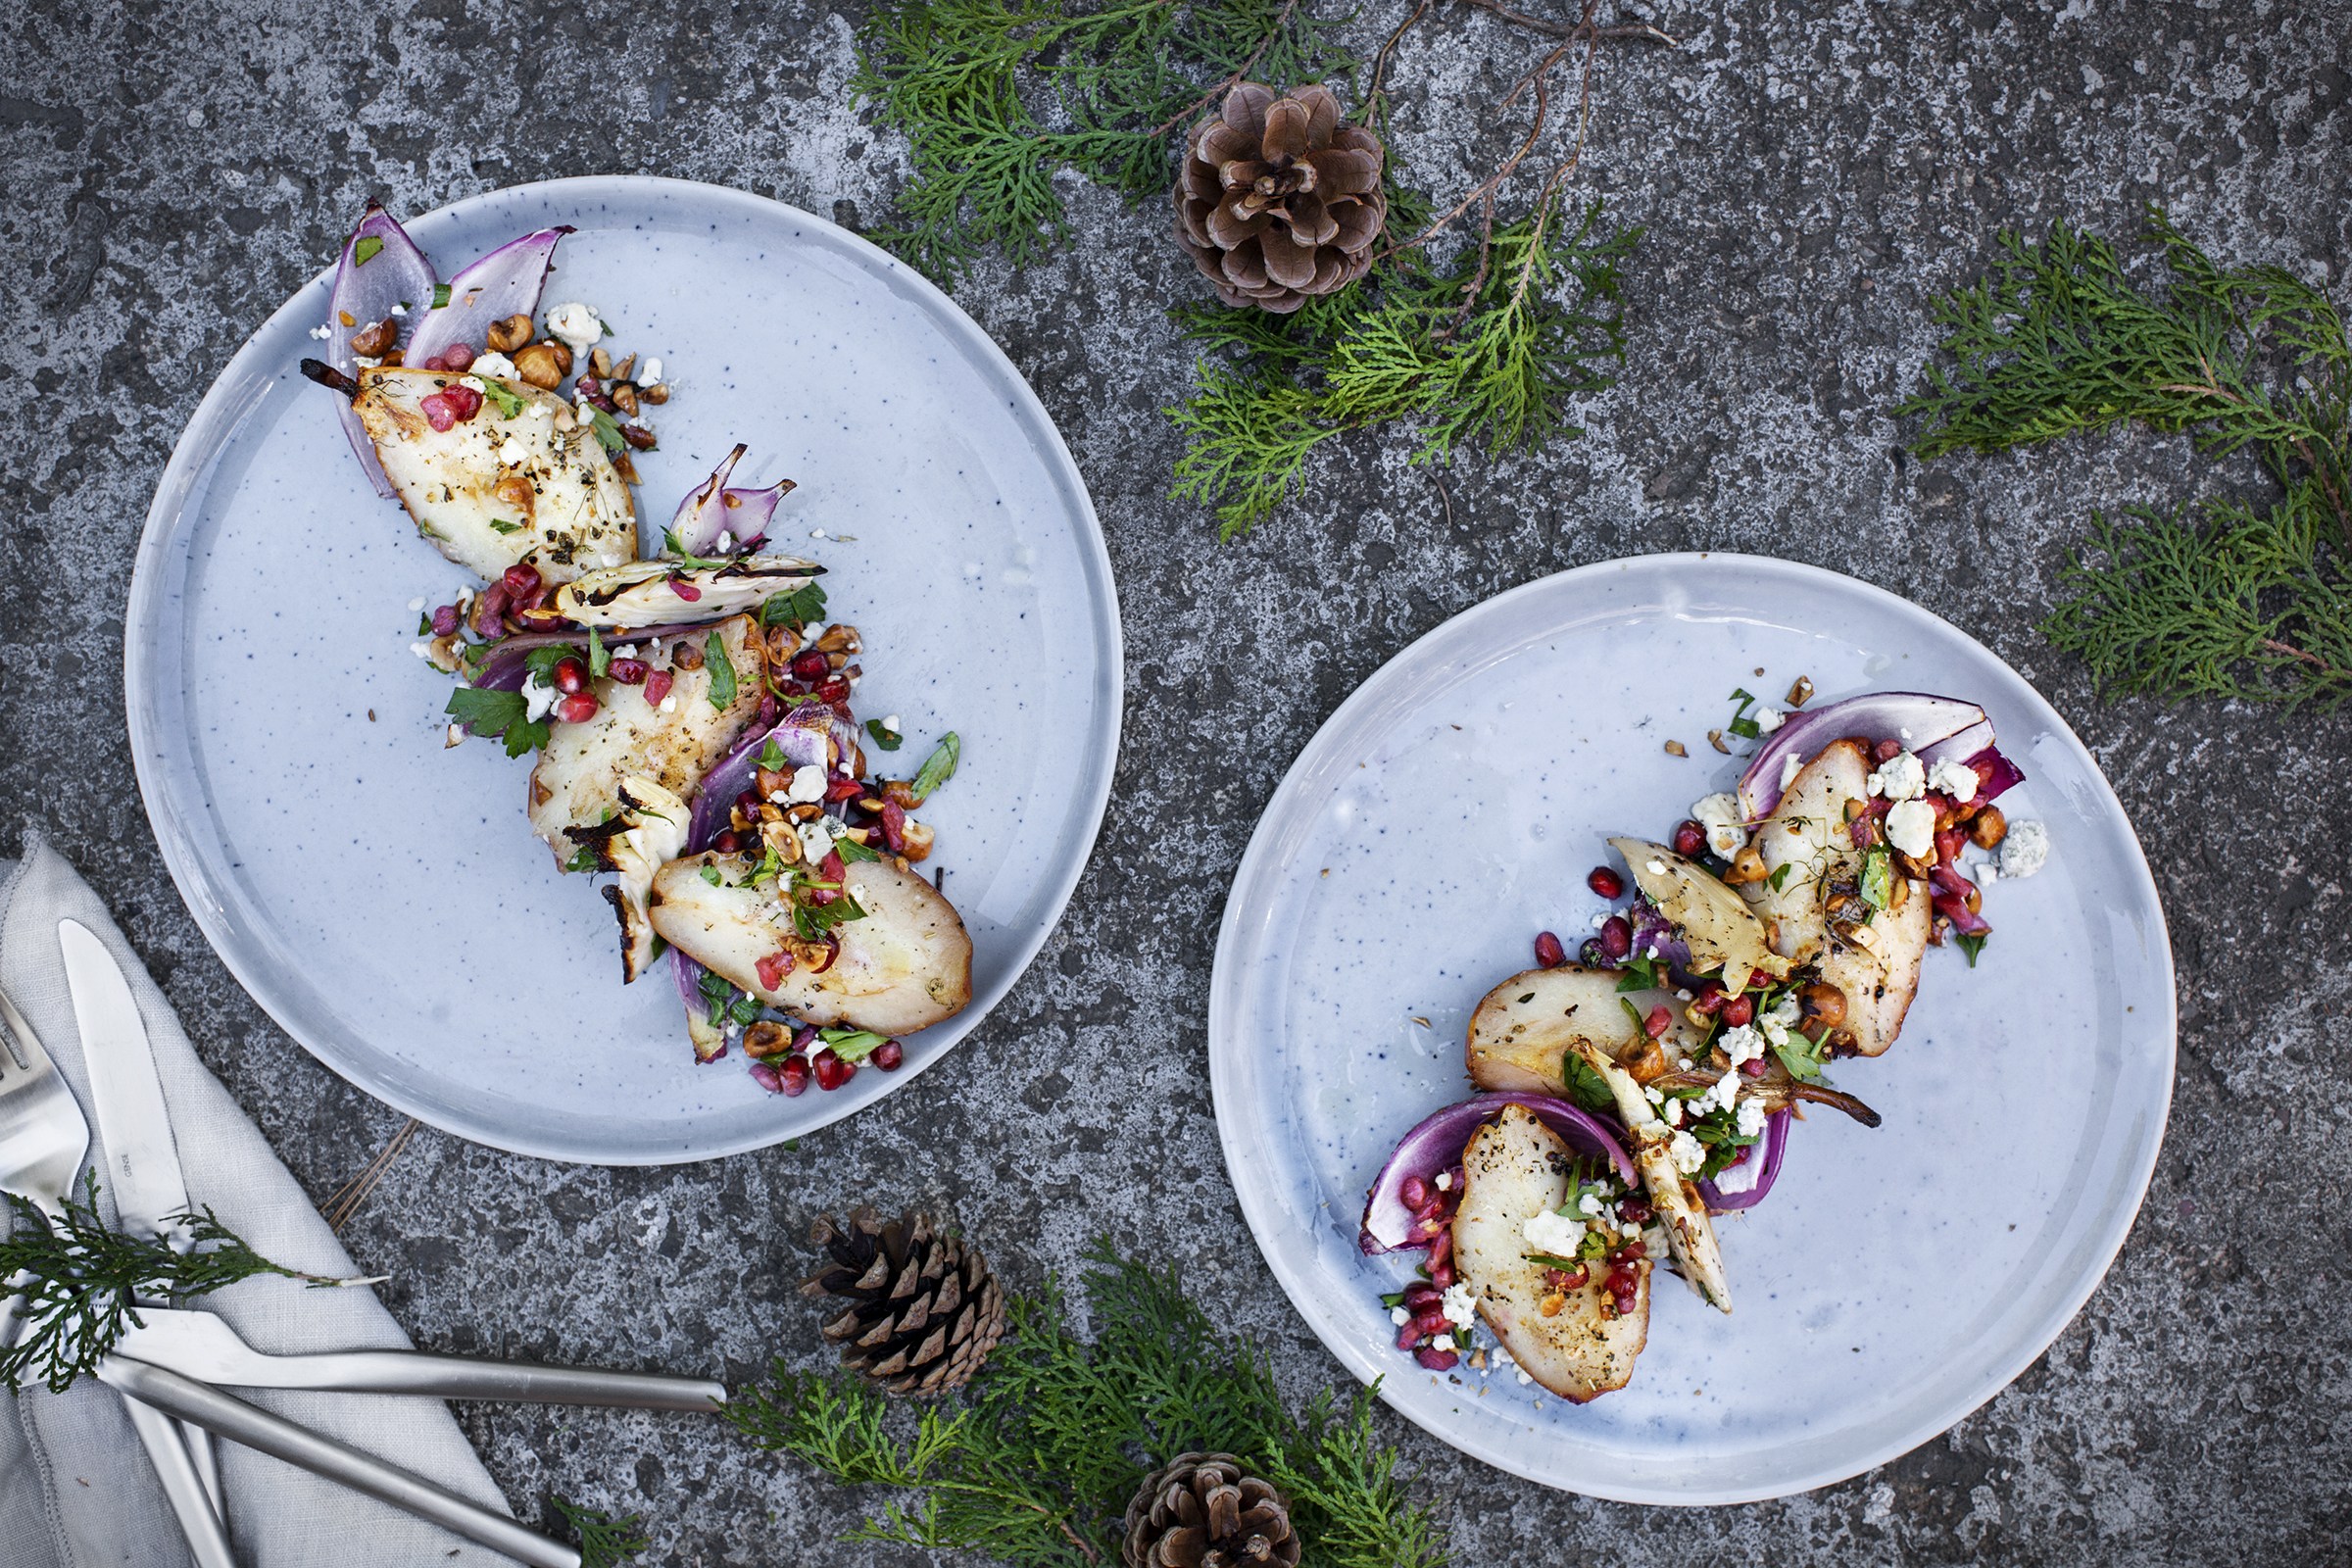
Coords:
347,1199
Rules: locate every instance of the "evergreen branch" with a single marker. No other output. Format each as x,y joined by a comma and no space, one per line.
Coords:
605,1541
2241,602
83,1277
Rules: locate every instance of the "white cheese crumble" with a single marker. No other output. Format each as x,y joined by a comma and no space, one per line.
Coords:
1445,1182
1719,814
417,604
1790,765
1657,867
890,722
470,382
400,310
493,363
1900,779
512,453
651,375
1743,1045
1552,1235
808,785
1689,1154
1588,1206
1956,779
1750,1118
1719,1095
1459,1305
1672,1111
537,697
726,541
1769,719
817,838
670,704
1911,827
1400,1316
2024,850
322,333
576,325
1787,1011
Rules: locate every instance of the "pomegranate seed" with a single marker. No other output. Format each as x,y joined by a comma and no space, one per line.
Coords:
459,357
434,363
795,1073
445,620
1432,1321
1708,1003
773,968
842,788
747,800
1616,939
806,1040
437,411
1738,1010
831,868
1621,1280
894,826
889,1055
1885,752
1754,1068
1413,1193
1568,1279
577,709
628,672
656,687
810,666
1419,1295
726,841
1435,1359
770,711
571,675
1606,882
1591,956
1629,1253
1634,1210
833,691
588,384
1548,952
685,590
1947,842
1689,839
521,581
1408,1336
768,1078
831,1071
464,402
1440,1270
1658,1022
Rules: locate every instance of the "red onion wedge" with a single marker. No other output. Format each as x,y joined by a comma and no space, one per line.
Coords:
506,283
1878,715
1435,1146
710,510
1765,1154
393,271
801,735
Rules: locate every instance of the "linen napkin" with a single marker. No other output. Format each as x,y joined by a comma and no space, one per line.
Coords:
77,1489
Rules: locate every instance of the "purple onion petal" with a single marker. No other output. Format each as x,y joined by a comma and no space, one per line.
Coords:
1436,1145
702,515
506,283
1773,1145
1877,715
397,273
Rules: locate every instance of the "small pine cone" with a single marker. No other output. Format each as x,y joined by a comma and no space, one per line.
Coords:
1279,201
923,1310
1205,1511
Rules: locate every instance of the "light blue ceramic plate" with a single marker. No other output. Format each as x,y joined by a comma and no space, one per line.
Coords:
1894,1280
382,898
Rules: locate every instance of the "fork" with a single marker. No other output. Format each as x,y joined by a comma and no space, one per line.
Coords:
44,1140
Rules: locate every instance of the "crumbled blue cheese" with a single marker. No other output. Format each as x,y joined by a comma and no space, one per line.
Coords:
1911,828
1956,779
1719,814
890,722
817,838
1769,719
2024,850
576,325
1459,1305
1688,1154
537,698
807,786
1552,1235
1787,1011
1588,1206
1750,1118
1721,1092
493,363
1743,1045
1901,778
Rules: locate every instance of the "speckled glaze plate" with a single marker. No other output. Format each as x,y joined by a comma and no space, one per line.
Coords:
1896,1279
385,899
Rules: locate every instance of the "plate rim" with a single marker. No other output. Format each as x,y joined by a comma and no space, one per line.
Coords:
212,426
1262,1213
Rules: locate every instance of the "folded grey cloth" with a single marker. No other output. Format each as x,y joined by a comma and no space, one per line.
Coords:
75,1488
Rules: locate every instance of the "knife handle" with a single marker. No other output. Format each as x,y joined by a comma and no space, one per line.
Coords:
218,1413
454,1377
208,1541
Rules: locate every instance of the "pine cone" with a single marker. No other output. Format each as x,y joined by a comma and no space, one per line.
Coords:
1202,1511
923,1308
1278,200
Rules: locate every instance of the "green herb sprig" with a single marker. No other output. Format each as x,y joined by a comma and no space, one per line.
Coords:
2232,601
938,767
605,1541
1036,1464
79,1303
496,714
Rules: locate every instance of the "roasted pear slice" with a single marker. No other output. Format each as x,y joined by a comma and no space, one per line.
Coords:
1715,921
647,833
658,593
1525,1025
906,965
1807,833
492,490
1515,1168
578,782
1675,1196
1878,969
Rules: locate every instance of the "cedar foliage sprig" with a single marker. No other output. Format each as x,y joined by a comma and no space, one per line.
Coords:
605,1541
2232,600
1543,309
82,1277
1037,1465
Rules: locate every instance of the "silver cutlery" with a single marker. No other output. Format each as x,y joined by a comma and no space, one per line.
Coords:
131,1117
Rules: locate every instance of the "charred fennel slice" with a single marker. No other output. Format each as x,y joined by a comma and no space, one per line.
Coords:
904,964
1515,1168
500,488
652,593
1722,932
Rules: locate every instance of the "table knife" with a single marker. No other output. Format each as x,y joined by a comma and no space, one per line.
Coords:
142,1160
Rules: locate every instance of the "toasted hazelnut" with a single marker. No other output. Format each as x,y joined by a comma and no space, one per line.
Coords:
1675,748
657,393
624,467
600,363
766,1038
1747,866
638,436
625,397
839,638
779,836
915,837
771,781
506,336
378,340
543,365
620,372
517,492
903,792
1988,829
1824,1004
689,655
1801,692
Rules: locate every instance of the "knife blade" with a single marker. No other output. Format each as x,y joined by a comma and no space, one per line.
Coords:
142,1157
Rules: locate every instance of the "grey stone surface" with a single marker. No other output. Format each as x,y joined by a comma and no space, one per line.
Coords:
1809,176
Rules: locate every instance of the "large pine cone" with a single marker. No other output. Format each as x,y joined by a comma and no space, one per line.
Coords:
923,1308
1278,200
1203,1511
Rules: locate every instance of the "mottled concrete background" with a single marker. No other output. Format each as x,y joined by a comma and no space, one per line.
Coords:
1809,175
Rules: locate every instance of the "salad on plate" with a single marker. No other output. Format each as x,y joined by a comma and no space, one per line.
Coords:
689,708
1630,1093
